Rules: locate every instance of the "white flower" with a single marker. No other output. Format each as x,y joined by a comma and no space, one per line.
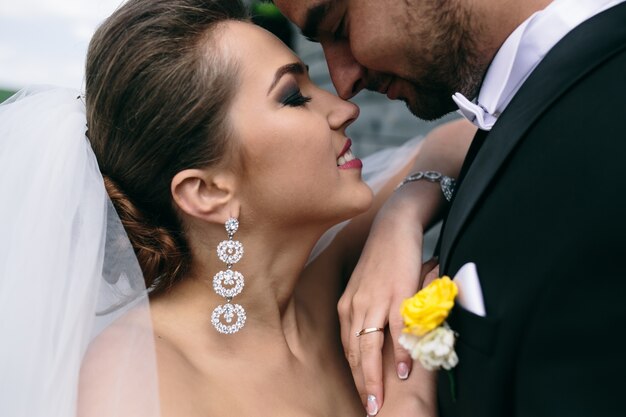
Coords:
434,350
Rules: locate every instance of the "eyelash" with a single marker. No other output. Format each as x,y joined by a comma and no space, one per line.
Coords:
296,99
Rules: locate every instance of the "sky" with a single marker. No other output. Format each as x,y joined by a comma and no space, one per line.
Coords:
45,41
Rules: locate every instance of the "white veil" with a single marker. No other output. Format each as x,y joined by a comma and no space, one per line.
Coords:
67,269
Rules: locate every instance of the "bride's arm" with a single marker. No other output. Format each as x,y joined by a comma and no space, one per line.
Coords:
390,261
390,267
418,203
399,216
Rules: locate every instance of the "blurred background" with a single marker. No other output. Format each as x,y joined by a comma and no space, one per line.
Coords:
45,41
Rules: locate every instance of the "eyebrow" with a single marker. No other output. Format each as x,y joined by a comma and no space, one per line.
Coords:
292,68
314,17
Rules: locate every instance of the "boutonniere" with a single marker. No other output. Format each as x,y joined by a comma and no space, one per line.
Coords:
426,335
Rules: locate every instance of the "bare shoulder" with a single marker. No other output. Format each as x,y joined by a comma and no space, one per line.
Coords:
118,373
130,370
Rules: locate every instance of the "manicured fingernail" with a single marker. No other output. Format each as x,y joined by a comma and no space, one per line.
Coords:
403,370
372,405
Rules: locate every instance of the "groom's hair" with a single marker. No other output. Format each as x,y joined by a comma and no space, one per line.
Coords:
158,90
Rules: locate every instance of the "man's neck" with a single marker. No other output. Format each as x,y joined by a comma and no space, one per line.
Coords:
498,19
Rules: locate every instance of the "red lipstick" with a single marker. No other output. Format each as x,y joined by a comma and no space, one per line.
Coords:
355,163
346,147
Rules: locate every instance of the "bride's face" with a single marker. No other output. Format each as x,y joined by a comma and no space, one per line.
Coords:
291,135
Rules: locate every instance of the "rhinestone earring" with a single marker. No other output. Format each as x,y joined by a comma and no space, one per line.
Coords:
229,283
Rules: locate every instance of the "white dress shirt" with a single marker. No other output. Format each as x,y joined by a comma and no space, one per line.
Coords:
520,54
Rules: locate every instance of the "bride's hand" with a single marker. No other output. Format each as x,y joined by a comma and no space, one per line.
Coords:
416,396
389,270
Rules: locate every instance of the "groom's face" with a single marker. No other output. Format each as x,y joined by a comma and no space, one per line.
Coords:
418,51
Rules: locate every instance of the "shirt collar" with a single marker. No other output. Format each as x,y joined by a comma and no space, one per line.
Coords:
520,54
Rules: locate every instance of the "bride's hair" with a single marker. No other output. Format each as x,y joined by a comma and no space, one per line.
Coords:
158,89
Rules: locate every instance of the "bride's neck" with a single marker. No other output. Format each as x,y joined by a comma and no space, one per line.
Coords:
271,266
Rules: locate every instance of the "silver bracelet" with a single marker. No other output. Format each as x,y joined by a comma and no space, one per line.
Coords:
447,183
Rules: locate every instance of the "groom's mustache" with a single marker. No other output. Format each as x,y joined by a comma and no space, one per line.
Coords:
378,82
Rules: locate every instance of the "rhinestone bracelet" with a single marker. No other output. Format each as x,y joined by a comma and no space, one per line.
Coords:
447,183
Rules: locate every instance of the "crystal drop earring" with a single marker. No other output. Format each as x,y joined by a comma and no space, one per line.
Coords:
229,283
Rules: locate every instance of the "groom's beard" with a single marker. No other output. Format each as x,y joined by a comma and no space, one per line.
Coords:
451,63
428,100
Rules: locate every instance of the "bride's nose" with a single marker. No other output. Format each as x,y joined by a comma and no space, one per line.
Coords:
342,113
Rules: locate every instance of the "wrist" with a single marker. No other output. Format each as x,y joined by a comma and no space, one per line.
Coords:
446,183
398,221
416,203
401,212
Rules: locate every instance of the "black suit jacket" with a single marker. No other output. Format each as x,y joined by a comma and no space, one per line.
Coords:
542,213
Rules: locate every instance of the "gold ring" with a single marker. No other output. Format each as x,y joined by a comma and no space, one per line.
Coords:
369,330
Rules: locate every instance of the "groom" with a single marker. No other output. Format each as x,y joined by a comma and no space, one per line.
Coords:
540,208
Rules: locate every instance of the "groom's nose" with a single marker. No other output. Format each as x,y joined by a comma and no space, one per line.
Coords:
347,74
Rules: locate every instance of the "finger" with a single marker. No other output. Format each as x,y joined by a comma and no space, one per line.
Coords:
427,268
360,309
431,276
371,345
354,360
344,309
402,358
353,354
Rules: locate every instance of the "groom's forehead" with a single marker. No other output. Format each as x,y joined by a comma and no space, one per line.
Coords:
306,14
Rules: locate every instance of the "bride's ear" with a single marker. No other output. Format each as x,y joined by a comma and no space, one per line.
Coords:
205,194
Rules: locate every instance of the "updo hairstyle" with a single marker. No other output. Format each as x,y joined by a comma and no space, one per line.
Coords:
158,90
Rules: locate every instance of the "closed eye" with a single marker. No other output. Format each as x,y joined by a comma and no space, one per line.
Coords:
340,31
295,99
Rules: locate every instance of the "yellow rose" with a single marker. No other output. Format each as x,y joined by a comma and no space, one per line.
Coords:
429,307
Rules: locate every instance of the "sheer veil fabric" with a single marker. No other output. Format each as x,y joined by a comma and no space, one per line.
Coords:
67,269
71,291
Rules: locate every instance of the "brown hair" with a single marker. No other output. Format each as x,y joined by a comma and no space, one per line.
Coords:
158,90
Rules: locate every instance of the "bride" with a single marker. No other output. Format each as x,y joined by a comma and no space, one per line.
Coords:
226,166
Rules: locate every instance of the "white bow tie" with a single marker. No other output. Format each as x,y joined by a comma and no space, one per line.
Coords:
474,112
503,78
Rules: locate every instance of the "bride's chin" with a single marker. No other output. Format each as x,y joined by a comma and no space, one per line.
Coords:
367,199
360,204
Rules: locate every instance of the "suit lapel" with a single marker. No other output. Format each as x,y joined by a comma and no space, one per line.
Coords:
578,53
